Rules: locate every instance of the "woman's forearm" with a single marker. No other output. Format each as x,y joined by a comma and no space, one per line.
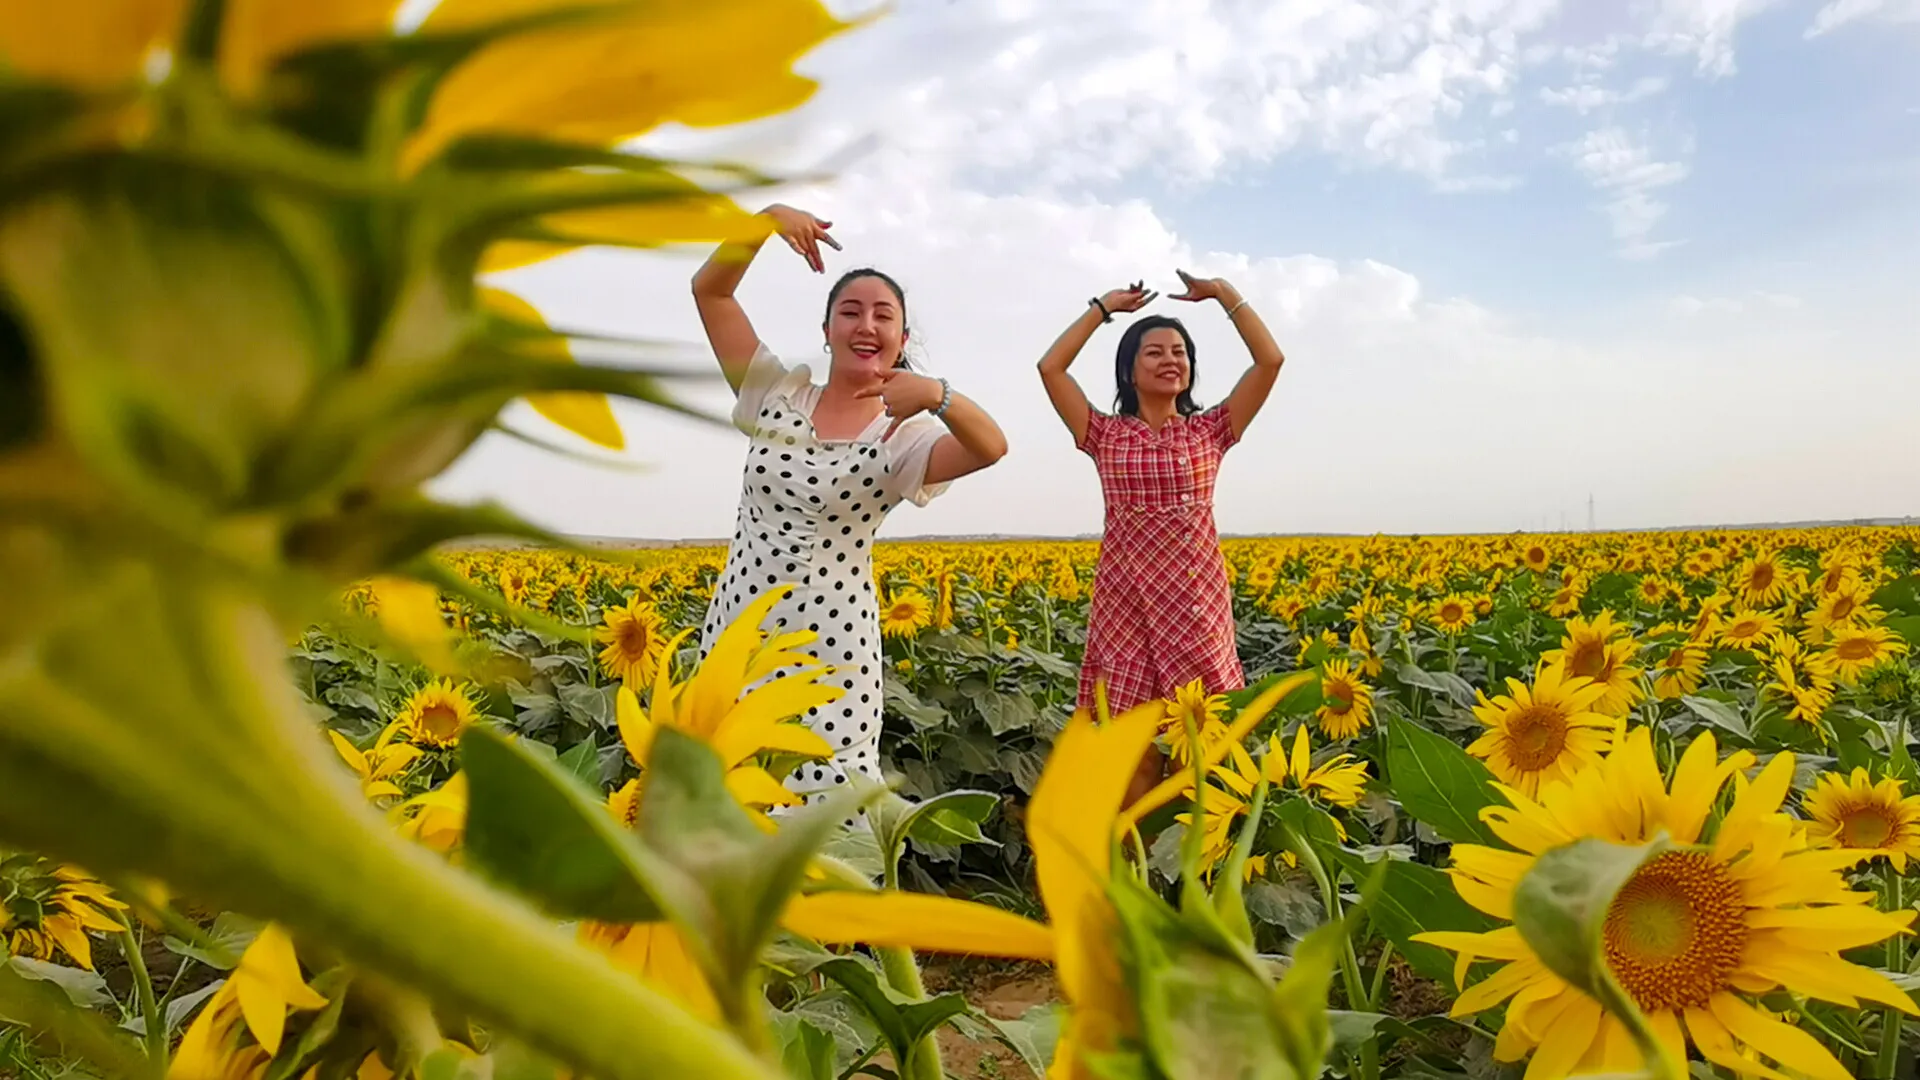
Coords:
720,276
973,429
1253,330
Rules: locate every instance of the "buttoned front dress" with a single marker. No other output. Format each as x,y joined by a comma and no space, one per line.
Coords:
1162,612
809,508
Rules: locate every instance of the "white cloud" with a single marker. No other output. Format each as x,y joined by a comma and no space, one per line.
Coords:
1588,97
1625,169
1839,13
1705,28
1758,301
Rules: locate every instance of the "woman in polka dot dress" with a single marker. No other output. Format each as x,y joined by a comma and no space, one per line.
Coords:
1162,612
825,466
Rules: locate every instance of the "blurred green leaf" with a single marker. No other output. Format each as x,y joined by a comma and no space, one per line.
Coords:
533,827
903,1022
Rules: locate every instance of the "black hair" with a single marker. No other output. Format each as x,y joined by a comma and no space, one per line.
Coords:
884,278
1126,402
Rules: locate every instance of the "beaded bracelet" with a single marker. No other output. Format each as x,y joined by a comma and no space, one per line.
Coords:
946,399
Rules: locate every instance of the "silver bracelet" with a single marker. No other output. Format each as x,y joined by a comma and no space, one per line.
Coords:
946,399
1236,307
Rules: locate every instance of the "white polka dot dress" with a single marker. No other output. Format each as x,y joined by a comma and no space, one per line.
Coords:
809,509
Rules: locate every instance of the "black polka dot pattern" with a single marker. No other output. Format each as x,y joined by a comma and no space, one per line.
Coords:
808,513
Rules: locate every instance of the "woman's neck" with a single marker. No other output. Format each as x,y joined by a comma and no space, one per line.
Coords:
841,413
1155,411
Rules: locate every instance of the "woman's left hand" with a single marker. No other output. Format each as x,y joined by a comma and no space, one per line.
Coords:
904,394
1201,288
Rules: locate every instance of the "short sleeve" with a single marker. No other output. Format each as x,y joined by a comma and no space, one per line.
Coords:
1097,424
765,375
909,451
1216,427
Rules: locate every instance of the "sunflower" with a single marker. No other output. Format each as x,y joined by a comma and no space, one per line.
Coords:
1837,608
1453,614
1653,590
1362,646
1544,732
738,701
943,611
1855,813
1536,558
1347,702
1760,581
44,907
1340,780
1601,650
1678,673
1693,935
633,635
906,613
1745,628
1065,583
1191,703
435,715
1261,578
1566,601
379,766
1287,608
1855,649
253,1000
1801,676
437,818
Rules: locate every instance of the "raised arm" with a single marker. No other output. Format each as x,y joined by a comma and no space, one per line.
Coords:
1065,393
729,331
1250,393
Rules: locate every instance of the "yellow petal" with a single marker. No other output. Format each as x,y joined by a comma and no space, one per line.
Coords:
67,933
636,731
409,611
258,32
1784,1043
699,217
268,983
91,43
754,786
586,415
1070,825
605,81
917,921
349,753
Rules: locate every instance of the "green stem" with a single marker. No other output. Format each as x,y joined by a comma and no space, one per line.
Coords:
1380,976
1891,1018
1349,963
155,1020
903,974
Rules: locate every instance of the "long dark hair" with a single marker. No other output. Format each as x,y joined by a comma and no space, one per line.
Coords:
899,294
1126,401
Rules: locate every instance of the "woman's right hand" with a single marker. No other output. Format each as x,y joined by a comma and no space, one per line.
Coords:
1132,298
803,233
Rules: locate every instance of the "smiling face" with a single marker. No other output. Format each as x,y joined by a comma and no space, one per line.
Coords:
866,327
1162,368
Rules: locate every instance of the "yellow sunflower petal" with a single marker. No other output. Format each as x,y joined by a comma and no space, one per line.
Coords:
1784,1043
257,32
586,415
917,921
754,786
91,44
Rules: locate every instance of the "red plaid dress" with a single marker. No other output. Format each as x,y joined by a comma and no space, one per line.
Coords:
1162,608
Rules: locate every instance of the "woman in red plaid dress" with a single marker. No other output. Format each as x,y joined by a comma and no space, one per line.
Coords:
1162,606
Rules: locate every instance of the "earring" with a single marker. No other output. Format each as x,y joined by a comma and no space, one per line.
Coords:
826,346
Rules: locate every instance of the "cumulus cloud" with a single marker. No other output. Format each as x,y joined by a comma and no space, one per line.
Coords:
1838,13
1625,168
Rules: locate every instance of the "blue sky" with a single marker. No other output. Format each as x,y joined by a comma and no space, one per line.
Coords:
1665,251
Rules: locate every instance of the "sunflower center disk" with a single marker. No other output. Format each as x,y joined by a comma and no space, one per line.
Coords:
440,722
1865,826
1536,737
1589,659
1676,932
